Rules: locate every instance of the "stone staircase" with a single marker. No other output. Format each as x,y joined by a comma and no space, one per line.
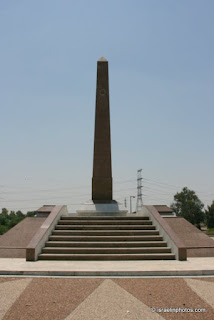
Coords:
105,238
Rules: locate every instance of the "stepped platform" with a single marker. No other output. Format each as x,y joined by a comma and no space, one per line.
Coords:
91,238
56,234
102,246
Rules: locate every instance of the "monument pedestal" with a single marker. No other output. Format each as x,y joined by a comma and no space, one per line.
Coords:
102,208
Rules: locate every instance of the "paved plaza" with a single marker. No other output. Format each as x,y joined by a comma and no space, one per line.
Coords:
91,298
110,290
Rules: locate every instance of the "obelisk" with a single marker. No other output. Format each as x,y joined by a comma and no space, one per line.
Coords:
102,202
102,172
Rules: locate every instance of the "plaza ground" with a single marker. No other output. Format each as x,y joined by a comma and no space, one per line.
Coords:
116,290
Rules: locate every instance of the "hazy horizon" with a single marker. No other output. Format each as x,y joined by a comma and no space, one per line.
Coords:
161,76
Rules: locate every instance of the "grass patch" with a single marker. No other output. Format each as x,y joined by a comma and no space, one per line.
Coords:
210,231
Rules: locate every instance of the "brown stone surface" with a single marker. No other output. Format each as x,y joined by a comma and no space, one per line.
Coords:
167,293
163,209
46,209
42,235
203,289
8,279
190,235
10,291
14,241
51,299
97,299
102,172
12,253
110,301
175,238
200,252
208,279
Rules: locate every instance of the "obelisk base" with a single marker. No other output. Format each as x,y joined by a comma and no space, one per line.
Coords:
102,208
102,189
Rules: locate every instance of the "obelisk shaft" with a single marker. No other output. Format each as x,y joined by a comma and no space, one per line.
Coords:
102,173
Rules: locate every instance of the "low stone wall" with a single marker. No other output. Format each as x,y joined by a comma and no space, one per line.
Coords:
8,252
14,242
197,243
38,242
200,252
173,241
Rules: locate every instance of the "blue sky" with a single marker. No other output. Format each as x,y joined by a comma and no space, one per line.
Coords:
161,77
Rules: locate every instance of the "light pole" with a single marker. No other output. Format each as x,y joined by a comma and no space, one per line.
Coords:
131,203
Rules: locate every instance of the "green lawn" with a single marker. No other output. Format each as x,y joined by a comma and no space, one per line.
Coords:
210,231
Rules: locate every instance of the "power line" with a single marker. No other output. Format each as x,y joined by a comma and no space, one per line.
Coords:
57,189
162,188
158,190
60,197
163,184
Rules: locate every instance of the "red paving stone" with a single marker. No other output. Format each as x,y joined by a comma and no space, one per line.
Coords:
51,299
167,293
205,279
19,237
8,279
56,298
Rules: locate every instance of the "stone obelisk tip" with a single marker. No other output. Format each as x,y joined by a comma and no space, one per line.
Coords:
103,59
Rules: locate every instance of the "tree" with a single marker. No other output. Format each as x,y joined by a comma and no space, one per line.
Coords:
3,220
3,229
187,204
8,221
20,215
12,215
4,212
209,213
31,213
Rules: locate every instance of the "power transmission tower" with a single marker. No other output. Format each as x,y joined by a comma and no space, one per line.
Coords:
139,190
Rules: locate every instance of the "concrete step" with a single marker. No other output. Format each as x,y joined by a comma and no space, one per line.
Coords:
105,222
106,232
119,218
106,238
143,256
102,244
104,227
64,250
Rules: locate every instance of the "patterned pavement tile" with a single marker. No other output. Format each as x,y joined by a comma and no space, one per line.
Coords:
8,279
111,302
9,292
51,298
203,289
167,293
208,279
104,299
